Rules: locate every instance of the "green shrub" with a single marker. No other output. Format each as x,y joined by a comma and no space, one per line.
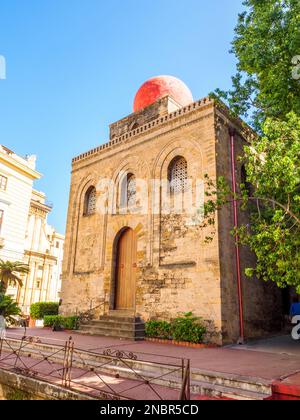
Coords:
70,322
53,320
158,329
187,328
67,322
41,309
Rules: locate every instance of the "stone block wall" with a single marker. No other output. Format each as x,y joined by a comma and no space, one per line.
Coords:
177,271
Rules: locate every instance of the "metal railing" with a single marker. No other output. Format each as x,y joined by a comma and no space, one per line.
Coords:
185,394
110,373
89,315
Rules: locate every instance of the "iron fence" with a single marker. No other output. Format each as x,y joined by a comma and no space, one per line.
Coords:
106,374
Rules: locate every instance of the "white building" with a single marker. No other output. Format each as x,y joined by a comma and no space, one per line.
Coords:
24,232
43,254
16,181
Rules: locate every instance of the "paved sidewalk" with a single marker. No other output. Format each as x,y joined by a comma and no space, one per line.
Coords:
283,345
251,363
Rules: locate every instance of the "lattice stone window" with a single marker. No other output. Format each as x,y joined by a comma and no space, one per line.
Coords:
90,202
131,190
178,175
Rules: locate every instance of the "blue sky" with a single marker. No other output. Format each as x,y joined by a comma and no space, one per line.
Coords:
74,66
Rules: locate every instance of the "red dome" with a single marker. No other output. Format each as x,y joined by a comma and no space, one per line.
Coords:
158,87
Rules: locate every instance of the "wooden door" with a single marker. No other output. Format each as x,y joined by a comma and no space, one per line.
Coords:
126,270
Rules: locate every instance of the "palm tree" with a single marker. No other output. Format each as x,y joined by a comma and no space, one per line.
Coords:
9,273
9,308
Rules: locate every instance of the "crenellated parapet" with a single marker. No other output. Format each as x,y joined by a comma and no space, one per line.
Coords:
142,129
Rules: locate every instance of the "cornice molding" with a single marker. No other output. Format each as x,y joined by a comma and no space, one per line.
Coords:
37,206
161,121
13,163
176,116
40,255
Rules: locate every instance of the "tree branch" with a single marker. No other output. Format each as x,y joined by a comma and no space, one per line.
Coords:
271,201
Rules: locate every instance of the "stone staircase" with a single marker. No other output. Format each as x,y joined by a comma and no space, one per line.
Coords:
117,324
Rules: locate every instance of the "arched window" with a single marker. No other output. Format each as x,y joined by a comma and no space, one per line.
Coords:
131,190
90,202
178,175
128,192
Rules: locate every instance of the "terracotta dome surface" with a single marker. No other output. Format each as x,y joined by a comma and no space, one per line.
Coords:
158,87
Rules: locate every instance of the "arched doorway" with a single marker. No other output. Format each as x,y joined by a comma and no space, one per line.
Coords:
125,272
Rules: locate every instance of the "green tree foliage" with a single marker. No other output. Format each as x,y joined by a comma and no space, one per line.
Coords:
266,42
273,166
265,88
272,163
8,307
9,273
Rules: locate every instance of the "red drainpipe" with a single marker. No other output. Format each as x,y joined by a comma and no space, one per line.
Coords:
232,134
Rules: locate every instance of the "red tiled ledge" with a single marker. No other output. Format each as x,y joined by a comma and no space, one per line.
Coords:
182,343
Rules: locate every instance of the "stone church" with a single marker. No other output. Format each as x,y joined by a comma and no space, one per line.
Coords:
135,246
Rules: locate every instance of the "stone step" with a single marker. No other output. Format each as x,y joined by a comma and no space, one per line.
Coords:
118,329
113,318
117,324
115,331
114,326
110,321
119,332
125,313
114,334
